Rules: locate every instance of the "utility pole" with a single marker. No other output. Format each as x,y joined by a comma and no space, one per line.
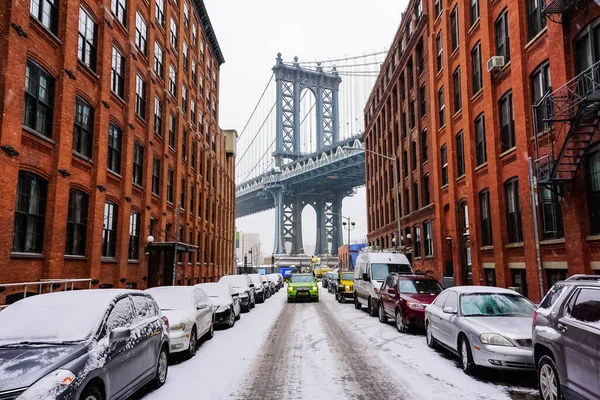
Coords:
176,242
533,191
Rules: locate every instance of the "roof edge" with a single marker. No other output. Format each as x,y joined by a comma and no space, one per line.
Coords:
210,32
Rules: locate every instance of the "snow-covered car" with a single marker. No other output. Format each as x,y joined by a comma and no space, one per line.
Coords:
225,300
485,326
190,313
243,285
271,286
88,344
259,288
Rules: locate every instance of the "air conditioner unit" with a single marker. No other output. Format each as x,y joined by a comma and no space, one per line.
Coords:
516,289
495,63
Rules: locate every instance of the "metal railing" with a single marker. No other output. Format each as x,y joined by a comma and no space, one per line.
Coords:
561,6
52,285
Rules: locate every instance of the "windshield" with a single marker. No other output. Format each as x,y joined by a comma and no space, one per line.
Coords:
495,304
255,279
172,299
425,286
380,271
215,290
302,279
348,276
237,281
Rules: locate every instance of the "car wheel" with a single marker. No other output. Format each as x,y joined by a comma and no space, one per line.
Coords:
211,332
357,304
91,393
400,324
431,342
466,357
191,351
231,322
162,369
371,308
289,300
382,317
548,381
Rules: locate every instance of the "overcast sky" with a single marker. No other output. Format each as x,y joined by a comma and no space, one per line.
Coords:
251,33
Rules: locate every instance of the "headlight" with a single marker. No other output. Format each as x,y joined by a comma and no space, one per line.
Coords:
177,327
290,288
495,340
315,288
415,306
347,288
49,386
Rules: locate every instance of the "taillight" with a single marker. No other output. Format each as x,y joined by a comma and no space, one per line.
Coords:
535,315
166,321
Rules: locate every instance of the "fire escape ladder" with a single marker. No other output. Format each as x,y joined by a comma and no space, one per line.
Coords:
562,6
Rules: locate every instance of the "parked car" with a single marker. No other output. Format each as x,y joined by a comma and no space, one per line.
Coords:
88,344
259,288
270,284
243,285
370,271
404,298
345,286
302,286
566,340
332,284
325,280
190,313
226,302
485,326
278,283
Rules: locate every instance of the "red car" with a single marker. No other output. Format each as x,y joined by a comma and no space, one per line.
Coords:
404,297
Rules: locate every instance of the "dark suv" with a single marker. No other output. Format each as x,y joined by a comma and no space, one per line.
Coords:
404,297
566,340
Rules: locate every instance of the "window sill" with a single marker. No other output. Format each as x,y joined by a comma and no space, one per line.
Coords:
441,128
478,94
133,261
47,33
444,187
457,114
116,175
474,26
592,238
140,120
82,157
482,166
88,71
108,260
515,245
38,135
438,73
117,98
17,254
155,196
75,257
507,152
137,186
534,39
461,178
454,52
486,248
553,241
429,257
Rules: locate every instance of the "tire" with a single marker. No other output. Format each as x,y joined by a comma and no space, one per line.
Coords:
382,317
371,308
162,369
357,304
231,322
431,342
191,351
246,309
211,332
548,379
91,392
289,300
253,304
466,358
400,324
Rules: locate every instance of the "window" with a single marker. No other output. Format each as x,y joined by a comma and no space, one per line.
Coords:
406,202
199,210
201,93
194,72
404,126
437,5
480,149
87,39
200,122
114,149
413,155
551,214
186,57
405,162
192,201
587,307
184,99
502,36
158,122
172,81
30,212
194,154
182,194
173,35
417,241
77,223
138,163
184,145
83,128
444,162
156,175
474,12
486,219
454,28
46,12
409,29
585,49
119,8
109,232
410,74
117,76
194,35
540,85
402,88
140,97
420,57
39,99
158,60
513,211
134,236
490,277
418,10
460,154
170,180
415,196
186,14
160,12
536,21
141,33
442,108
424,149
519,280
411,114
172,128
423,102
440,51
476,76
193,111
426,194
428,239
593,187
456,87
507,124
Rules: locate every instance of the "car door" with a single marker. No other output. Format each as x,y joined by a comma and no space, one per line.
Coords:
391,296
434,312
580,327
448,329
204,311
149,326
124,365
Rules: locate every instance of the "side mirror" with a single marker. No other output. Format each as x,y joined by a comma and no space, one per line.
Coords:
235,295
252,285
365,277
449,310
118,335
201,306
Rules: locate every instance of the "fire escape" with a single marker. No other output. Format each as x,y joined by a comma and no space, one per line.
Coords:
568,116
562,6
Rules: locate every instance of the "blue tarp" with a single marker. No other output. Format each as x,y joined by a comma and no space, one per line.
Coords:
354,252
286,272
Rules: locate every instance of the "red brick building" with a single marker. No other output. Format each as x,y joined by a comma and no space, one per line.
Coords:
109,134
483,132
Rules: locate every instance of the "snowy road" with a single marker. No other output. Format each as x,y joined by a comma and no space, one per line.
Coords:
327,350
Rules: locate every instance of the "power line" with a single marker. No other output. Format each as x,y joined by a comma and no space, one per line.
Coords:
256,107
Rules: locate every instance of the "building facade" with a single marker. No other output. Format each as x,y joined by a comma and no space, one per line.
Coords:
249,246
485,131
109,134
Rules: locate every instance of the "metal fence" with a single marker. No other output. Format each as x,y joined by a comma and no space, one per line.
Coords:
44,286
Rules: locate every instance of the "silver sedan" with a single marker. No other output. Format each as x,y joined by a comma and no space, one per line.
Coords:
484,326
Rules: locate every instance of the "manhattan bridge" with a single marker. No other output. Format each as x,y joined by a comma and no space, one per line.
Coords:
303,146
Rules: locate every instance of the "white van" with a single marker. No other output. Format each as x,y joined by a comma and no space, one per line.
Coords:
370,271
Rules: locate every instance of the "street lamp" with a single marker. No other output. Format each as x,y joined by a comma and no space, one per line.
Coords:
396,179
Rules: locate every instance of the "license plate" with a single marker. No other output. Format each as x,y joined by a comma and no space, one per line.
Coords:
303,290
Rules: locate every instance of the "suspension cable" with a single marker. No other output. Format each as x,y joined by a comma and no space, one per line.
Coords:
256,107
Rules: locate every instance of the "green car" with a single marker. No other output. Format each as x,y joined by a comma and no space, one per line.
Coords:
302,286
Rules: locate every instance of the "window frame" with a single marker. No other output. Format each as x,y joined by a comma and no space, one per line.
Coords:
160,12
173,40
84,42
23,215
439,51
156,168
110,230
170,188
140,96
485,218
428,239
115,137
502,36
133,249
76,231
460,154
117,77
441,108
476,72
34,105
507,128
47,20
141,33
536,21
83,133
444,164
119,10
513,218
480,140
138,163
456,86
454,37
474,12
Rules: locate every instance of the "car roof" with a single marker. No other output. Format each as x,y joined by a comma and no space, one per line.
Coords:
303,274
415,277
385,257
182,288
481,289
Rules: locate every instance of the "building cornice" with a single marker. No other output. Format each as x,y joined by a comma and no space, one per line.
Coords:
209,31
